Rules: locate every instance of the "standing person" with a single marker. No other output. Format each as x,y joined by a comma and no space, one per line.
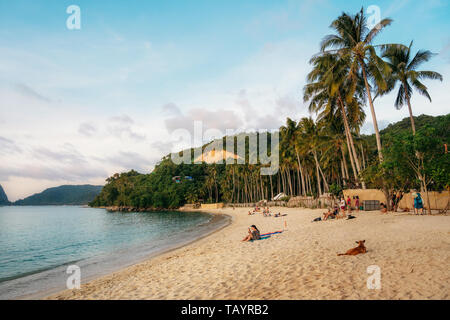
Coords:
343,207
418,203
394,201
397,200
357,203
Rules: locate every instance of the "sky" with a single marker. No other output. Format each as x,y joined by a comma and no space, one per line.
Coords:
78,105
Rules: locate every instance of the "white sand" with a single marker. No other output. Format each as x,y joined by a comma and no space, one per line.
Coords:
413,253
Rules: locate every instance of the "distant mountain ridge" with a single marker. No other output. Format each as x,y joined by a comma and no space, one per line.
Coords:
3,198
62,195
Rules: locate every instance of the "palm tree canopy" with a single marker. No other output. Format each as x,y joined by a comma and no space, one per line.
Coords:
404,70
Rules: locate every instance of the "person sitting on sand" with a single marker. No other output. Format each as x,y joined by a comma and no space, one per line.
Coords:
328,214
383,208
250,213
253,234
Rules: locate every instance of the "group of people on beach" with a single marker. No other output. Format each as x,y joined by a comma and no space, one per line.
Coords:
265,212
397,197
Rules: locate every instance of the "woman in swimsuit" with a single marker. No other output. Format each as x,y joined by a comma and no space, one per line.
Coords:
253,234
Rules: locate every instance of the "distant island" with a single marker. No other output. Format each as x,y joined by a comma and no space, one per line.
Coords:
3,198
62,195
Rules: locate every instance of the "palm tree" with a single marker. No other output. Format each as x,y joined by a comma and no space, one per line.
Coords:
353,43
328,88
310,134
289,134
404,71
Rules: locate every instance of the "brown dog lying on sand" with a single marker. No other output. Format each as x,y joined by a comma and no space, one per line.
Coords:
353,252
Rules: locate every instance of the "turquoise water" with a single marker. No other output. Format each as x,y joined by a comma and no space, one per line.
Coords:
37,242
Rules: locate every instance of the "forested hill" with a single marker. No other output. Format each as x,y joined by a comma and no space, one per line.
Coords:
171,185
3,198
420,121
62,195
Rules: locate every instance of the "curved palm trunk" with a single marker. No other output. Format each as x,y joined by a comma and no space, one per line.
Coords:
344,164
319,188
372,110
355,174
325,183
350,139
301,174
410,113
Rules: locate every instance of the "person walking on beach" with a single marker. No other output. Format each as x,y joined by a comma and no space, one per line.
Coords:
357,203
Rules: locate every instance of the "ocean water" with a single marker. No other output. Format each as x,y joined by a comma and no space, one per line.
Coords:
38,243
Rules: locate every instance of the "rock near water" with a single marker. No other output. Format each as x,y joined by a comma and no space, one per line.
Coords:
3,197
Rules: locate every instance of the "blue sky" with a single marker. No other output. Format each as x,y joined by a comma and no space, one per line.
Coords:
79,105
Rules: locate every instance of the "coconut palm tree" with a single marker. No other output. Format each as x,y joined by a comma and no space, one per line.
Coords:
353,43
310,134
404,70
328,89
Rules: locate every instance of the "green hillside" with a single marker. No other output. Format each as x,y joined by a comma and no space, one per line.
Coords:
62,195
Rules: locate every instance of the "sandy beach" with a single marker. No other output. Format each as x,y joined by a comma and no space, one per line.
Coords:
412,252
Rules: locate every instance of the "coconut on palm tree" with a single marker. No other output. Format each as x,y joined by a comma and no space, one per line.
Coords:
404,71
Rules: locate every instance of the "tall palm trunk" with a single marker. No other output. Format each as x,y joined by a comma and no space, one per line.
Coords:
343,173
344,163
350,138
288,174
410,113
319,188
301,174
372,110
362,156
352,162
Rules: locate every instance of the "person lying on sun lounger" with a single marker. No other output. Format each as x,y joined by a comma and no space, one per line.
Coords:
253,234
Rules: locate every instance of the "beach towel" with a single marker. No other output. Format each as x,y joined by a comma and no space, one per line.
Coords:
270,233
267,235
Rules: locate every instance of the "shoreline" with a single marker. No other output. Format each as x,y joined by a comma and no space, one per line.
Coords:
216,222
300,263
